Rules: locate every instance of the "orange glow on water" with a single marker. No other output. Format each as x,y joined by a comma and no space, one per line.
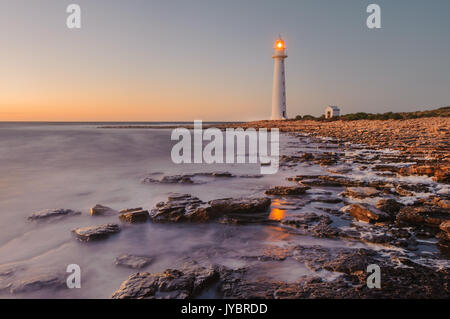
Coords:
276,213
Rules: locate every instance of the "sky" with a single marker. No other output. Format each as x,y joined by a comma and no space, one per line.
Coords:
180,60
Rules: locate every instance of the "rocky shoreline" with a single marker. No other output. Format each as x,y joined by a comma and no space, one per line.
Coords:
390,197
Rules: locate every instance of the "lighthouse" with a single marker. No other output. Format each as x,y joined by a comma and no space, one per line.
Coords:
279,83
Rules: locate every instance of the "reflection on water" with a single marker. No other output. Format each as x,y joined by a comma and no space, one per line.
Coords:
275,212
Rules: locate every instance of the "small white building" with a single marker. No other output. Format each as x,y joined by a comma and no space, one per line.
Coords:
332,111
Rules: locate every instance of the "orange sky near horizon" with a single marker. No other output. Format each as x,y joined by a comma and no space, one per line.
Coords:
212,60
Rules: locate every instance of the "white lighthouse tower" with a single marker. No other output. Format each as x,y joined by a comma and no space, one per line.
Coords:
279,83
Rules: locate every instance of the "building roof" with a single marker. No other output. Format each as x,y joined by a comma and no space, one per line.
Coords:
335,108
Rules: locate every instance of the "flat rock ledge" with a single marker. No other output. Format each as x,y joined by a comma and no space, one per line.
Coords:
53,214
99,232
172,284
186,208
36,283
361,192
287,190
423,215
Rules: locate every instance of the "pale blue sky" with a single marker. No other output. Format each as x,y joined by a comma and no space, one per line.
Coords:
211,60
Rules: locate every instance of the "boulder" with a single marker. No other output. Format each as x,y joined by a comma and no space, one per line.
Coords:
366,213
100,210
53,214
172,284
134,216
175,208
91,233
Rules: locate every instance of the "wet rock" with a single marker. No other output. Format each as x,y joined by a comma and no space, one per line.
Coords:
300,178
134,216
287,190
100,210
444,204
328,200
133,261
238,209
53,214
331,211
191,178
175,209
427,170
185,208
366,212
422,215
271,253
333,181
327,159
412,281
350,261
445,227
390,206
216,174
440,173
172,284
301,221
409,281
416,188
399,232
386,168
235,284
307,157
37,283
341,170
403,192
323,230
361,192
175,179
128,210
251,176
91,233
